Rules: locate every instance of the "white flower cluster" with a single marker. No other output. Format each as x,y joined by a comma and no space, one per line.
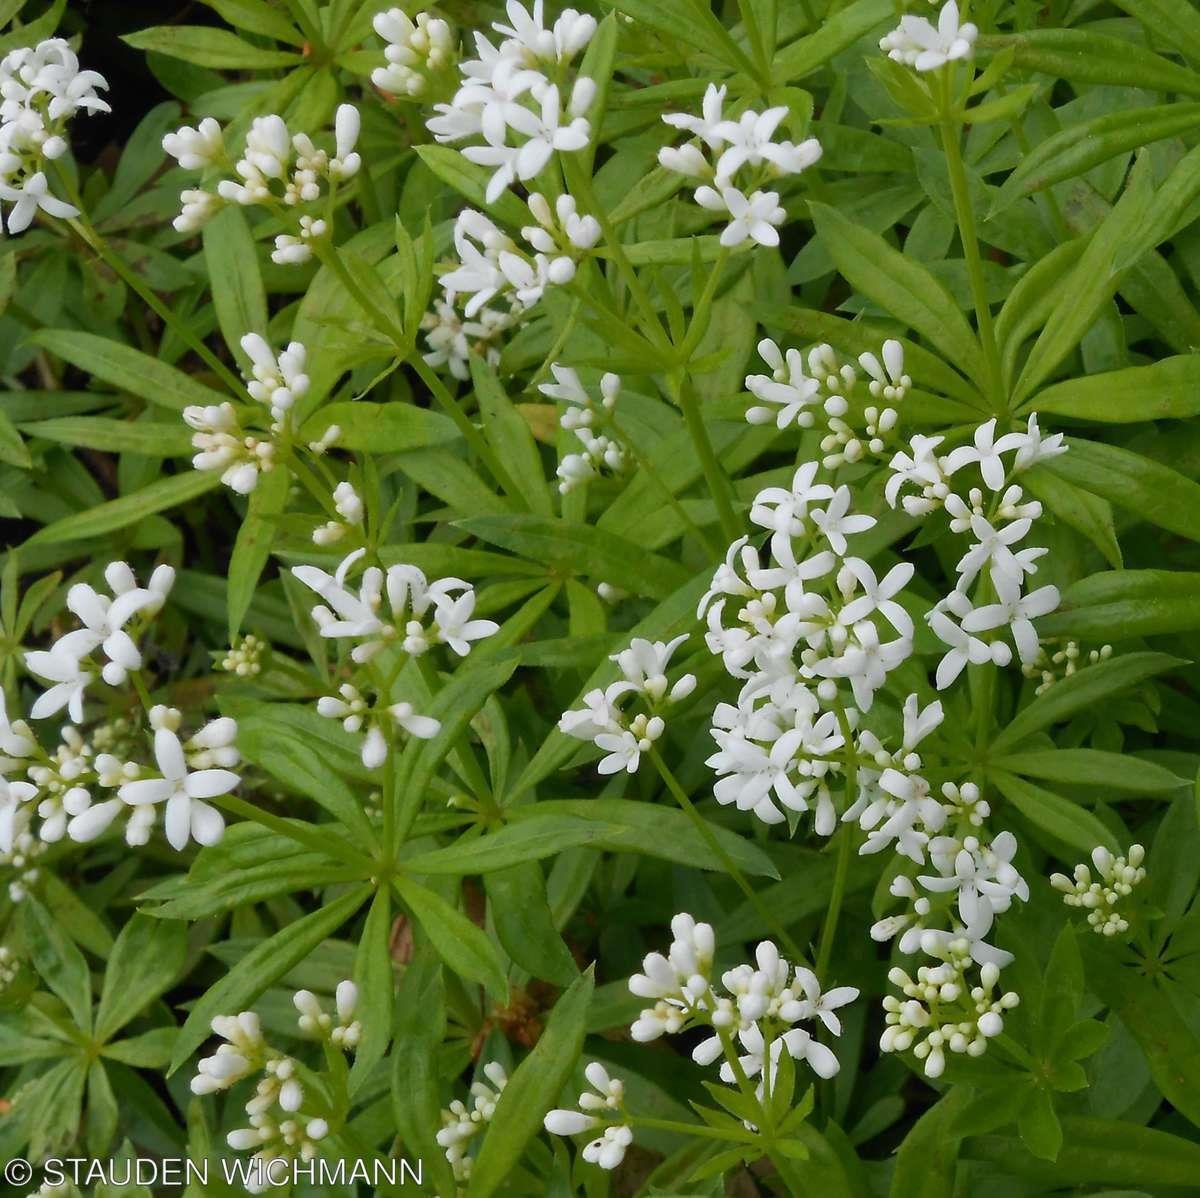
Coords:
622,736
1099,898
588,420
102,646
512,96
600,1108
419,616
223,442
491,266
795,630
10,967
797,386
461,1124
279,170
752,1011
41,89
61,785
998,517
245,658
916,43
419,51
286,1120
743,146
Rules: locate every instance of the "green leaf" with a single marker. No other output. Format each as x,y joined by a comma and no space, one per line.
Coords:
206,47
1120,604
263,966
532,1090
1087,57
145,437
416,1086
898,284
541,835
376,981
147,957
129,509
1093,767
463,946
12,448
1084,292
1173,25
691,22
656,831
524,923
575,548
1088,514
1062,819
252,548
509,435
1039,1127
58,962
258,16
126,368
471,181
1127,480
1079,148
1097,1152
302,767
839,30
233,274
926,1162
381,428
1082,690
1165,390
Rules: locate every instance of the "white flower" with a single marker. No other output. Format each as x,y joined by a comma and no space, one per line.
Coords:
196,148
710,120
964,648
33,194
455,627
888,380
277,381
916,43
70,677
644,665
755,216
608,1151
183,792
1015,612
787,388
877,595
985,451
749,143
836,523
346,124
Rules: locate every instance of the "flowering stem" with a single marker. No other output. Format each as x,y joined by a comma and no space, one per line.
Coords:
718,481
836,897
696,1130
970,244
139,685
718,850
701,307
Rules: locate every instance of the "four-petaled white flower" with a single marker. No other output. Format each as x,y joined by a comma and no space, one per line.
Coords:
183,791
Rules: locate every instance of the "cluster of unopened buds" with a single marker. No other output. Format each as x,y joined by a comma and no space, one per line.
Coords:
10,967
942,1010
587,419
623,736
744,158
349,507
419,50
798,387
275,381
1051,664
285,1120
279,170
600,1109
245,658
461,1124
1099,896
41,89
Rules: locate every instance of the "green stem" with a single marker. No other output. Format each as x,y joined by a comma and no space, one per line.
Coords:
96,241
701,307
691,1129
970,243
727,862
836,898
714,473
